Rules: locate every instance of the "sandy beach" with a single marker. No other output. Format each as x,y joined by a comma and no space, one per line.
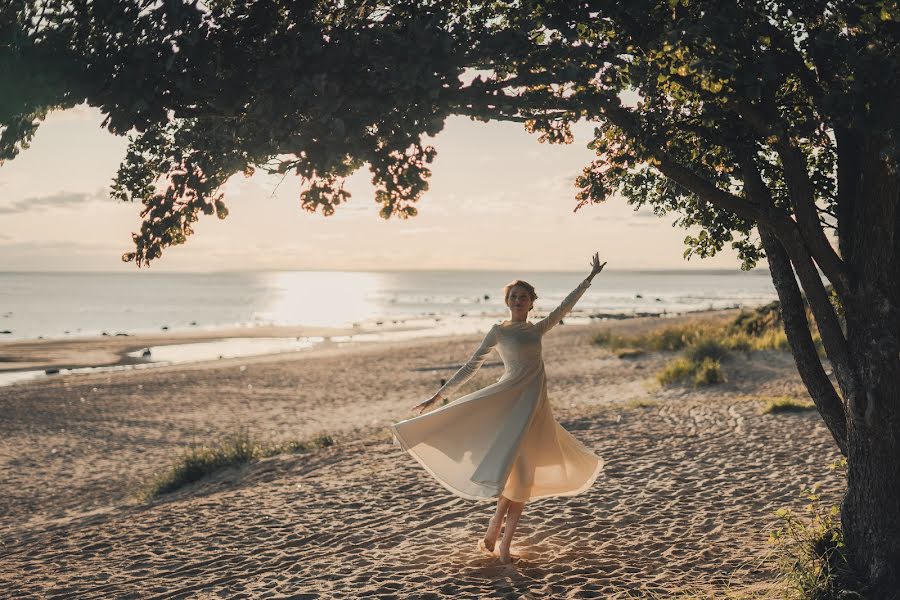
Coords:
692,481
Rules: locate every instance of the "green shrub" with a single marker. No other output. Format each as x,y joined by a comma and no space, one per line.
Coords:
708,372
706,348
676,370
812,553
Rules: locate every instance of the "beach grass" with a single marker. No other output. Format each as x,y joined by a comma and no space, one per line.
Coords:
786,404
811,552
235,449
751,330
703,371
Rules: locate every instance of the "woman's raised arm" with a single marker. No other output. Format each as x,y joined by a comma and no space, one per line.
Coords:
568,303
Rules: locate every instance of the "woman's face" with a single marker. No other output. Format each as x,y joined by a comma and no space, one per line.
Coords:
519,302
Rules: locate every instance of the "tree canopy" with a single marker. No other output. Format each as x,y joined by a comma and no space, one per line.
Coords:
320,89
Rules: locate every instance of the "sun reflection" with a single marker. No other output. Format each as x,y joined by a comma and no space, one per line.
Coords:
321,298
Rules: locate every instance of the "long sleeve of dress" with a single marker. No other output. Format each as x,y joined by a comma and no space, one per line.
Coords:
557,314
468,370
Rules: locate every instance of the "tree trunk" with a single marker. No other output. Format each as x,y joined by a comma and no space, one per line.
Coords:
870,513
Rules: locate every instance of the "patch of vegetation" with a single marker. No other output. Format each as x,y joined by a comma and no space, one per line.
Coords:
676,370
198,462
641,403
705,348
706,371
786,404
705,344
812,553
629,353
751,330
664,339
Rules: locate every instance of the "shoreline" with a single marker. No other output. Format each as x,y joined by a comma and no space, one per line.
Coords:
53,356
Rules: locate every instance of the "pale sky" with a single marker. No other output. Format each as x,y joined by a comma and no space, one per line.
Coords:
498,199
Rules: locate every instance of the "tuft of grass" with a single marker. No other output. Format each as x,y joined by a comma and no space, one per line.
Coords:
705,348
706,371
640,403
235,449
675,371
812,553
786,404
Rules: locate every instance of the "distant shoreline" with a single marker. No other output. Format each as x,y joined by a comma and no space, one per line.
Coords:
23,361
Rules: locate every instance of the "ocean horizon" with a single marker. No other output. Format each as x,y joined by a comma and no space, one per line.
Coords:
53,304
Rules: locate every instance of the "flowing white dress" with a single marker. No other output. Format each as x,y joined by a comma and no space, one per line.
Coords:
503,438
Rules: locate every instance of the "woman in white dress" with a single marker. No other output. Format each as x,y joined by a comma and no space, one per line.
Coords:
502,441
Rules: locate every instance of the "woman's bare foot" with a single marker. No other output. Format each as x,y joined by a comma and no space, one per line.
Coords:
506,557
493,532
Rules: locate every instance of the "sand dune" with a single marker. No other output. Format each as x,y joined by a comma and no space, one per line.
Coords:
688,495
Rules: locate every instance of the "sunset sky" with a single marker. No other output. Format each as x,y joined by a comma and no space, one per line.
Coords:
498,199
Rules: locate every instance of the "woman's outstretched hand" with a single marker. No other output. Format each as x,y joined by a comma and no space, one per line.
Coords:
423,405
596,267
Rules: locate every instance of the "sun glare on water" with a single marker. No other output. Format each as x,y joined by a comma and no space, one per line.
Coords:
321,298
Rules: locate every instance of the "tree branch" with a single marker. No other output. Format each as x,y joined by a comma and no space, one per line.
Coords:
803,201
766,124
796,326
785,230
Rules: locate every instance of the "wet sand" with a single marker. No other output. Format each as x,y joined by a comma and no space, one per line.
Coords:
686,501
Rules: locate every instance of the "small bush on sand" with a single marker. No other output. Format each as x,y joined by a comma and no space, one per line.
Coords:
812,553
198,462
707,371
706,348
675,371
783,404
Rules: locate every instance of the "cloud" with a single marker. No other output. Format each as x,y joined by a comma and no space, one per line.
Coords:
561,183
57,200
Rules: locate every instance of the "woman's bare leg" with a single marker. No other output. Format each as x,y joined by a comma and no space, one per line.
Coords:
490,538
512,519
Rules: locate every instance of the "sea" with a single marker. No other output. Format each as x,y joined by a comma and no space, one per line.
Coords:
63,305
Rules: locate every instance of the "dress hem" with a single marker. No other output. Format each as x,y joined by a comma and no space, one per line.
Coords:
407,449
398,437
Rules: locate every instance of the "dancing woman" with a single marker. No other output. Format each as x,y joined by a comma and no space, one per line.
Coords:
502,441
